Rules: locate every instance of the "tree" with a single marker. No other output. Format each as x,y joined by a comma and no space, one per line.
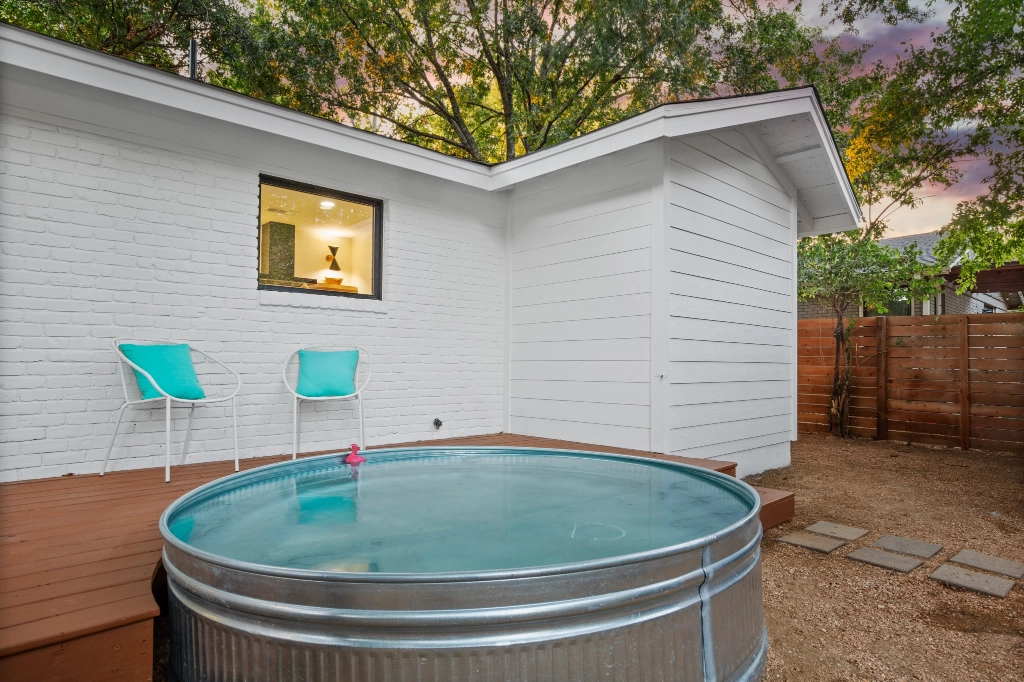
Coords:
958,98
764,48
232,35
491,81
974,77
847,269
488,80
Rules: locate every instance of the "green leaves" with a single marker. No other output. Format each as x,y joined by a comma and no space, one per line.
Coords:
842,270
491,81
975,79
488,80
958,99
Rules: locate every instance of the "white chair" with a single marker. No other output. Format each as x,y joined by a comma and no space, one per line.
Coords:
168,399
364,364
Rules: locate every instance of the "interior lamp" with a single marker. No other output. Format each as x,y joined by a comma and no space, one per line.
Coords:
332,258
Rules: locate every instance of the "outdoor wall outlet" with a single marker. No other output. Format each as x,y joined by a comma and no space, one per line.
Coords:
437,423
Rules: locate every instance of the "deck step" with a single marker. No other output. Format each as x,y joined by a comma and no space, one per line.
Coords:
777,506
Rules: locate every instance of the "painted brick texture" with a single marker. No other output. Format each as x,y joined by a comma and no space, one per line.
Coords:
103,238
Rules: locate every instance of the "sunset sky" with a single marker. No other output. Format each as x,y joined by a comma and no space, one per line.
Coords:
938,203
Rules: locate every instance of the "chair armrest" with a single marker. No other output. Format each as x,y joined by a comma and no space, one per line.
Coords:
284,375
238,379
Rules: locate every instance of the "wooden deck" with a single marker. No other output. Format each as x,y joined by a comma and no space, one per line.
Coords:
78,556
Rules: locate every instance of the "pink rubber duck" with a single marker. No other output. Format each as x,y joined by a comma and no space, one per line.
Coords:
354,457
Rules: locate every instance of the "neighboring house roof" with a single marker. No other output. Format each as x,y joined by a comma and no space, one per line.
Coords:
787,128
1008,277
925,241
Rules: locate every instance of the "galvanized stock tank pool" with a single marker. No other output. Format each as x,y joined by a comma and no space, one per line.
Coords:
460,564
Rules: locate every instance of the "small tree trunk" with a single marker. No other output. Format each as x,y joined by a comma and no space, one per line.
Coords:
839,404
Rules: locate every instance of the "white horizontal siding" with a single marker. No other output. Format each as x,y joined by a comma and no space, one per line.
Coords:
682,440
730,304
582,432
723,392
616,392
580,297
633,326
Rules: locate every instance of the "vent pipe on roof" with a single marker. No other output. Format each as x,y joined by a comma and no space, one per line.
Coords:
193,59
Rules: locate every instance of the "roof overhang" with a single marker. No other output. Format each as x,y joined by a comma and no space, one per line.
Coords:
1008,277
27,56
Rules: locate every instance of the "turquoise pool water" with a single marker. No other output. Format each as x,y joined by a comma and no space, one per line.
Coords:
430,513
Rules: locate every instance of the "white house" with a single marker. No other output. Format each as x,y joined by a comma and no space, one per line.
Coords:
632,287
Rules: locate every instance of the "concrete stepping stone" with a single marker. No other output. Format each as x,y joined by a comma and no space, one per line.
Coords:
876,557
836,531
894,543
972,580
992,564
819,543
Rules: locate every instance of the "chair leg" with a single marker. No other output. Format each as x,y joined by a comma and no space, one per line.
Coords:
188,434
235,429
362,428
295,428
117,425
167,466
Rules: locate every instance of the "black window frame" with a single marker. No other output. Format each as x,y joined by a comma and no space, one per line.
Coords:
378,235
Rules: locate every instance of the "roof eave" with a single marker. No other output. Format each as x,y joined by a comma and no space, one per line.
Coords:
33,52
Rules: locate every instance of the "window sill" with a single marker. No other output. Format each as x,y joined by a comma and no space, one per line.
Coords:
298,299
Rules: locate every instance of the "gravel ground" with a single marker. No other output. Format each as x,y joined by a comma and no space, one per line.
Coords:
830,618
833,619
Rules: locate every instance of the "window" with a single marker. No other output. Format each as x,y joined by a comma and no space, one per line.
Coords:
319,240
899,306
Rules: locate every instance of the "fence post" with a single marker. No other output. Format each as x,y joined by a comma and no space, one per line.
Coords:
965,388
882,379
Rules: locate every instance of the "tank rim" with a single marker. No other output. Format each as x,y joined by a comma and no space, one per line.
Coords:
207,489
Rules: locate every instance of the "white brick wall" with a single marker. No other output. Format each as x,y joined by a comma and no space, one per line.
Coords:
101,238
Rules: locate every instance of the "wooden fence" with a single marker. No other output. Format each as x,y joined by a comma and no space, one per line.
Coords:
947,380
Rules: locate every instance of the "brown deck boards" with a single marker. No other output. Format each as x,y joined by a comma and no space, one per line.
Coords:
77,553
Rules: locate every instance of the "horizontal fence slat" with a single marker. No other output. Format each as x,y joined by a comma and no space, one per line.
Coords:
997,353
926,438
922,406
993,329
997,445
1013,365
980,399
924,419
997,434
996,341
915,426
923,363
928,374
999,375
940,342
1013,423
914,394
896,329
1004,388
926,385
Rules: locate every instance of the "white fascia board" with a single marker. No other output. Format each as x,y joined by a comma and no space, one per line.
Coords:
42,54
669,120
829,225
837,167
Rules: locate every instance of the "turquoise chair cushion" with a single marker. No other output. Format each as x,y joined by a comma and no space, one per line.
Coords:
327,374
169,365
